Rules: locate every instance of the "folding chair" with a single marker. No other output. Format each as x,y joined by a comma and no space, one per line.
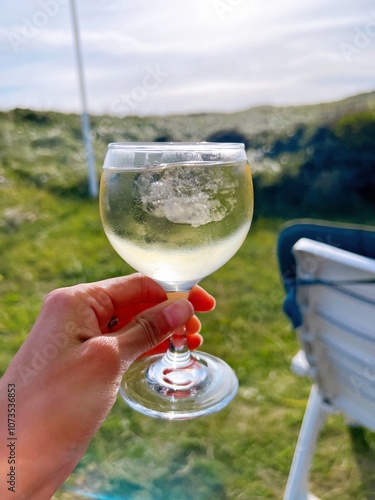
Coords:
331,302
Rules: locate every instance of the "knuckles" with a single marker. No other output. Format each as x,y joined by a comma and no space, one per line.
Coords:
61,297
103,356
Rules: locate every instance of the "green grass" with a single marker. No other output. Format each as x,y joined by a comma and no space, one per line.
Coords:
51,236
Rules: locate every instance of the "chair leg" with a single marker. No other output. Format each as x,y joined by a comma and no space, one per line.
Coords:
314,418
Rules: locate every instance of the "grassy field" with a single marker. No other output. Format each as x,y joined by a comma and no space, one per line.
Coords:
51,236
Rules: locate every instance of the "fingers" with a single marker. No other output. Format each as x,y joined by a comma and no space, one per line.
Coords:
135,289
151,327
134,293
194,341
106,298
193,325
115,302
201,300
131,290
124,316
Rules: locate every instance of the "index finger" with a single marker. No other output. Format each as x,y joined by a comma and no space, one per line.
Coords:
136,288
132,290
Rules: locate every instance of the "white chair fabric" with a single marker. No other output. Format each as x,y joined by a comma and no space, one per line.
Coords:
335,293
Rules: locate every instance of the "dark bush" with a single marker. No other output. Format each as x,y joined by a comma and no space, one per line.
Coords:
336,179
29,115
230,135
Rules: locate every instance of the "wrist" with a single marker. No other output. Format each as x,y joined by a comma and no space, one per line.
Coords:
35,459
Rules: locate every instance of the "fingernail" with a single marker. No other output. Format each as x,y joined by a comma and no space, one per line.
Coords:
178,313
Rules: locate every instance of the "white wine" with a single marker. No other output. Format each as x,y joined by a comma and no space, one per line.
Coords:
177,223
178,266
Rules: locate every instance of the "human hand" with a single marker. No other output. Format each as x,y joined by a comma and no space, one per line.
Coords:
67,372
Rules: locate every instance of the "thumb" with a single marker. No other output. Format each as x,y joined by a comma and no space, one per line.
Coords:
151,327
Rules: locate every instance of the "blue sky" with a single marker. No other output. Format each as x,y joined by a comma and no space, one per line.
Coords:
179,56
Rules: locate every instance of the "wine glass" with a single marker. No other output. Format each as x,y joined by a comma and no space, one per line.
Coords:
176,212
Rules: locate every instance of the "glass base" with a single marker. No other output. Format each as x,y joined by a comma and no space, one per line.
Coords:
211,393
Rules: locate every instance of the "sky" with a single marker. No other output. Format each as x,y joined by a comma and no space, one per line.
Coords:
185,56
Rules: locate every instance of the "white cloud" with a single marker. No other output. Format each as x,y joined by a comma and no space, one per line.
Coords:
247,54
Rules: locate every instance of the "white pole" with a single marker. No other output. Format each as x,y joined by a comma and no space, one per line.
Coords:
92,177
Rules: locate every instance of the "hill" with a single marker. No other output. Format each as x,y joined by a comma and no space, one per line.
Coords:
44,149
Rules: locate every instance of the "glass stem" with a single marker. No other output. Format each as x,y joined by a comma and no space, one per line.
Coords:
177,373
178,353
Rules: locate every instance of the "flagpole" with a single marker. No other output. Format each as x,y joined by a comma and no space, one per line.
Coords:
85,119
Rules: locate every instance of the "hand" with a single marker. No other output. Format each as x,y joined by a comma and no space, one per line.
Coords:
67,372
